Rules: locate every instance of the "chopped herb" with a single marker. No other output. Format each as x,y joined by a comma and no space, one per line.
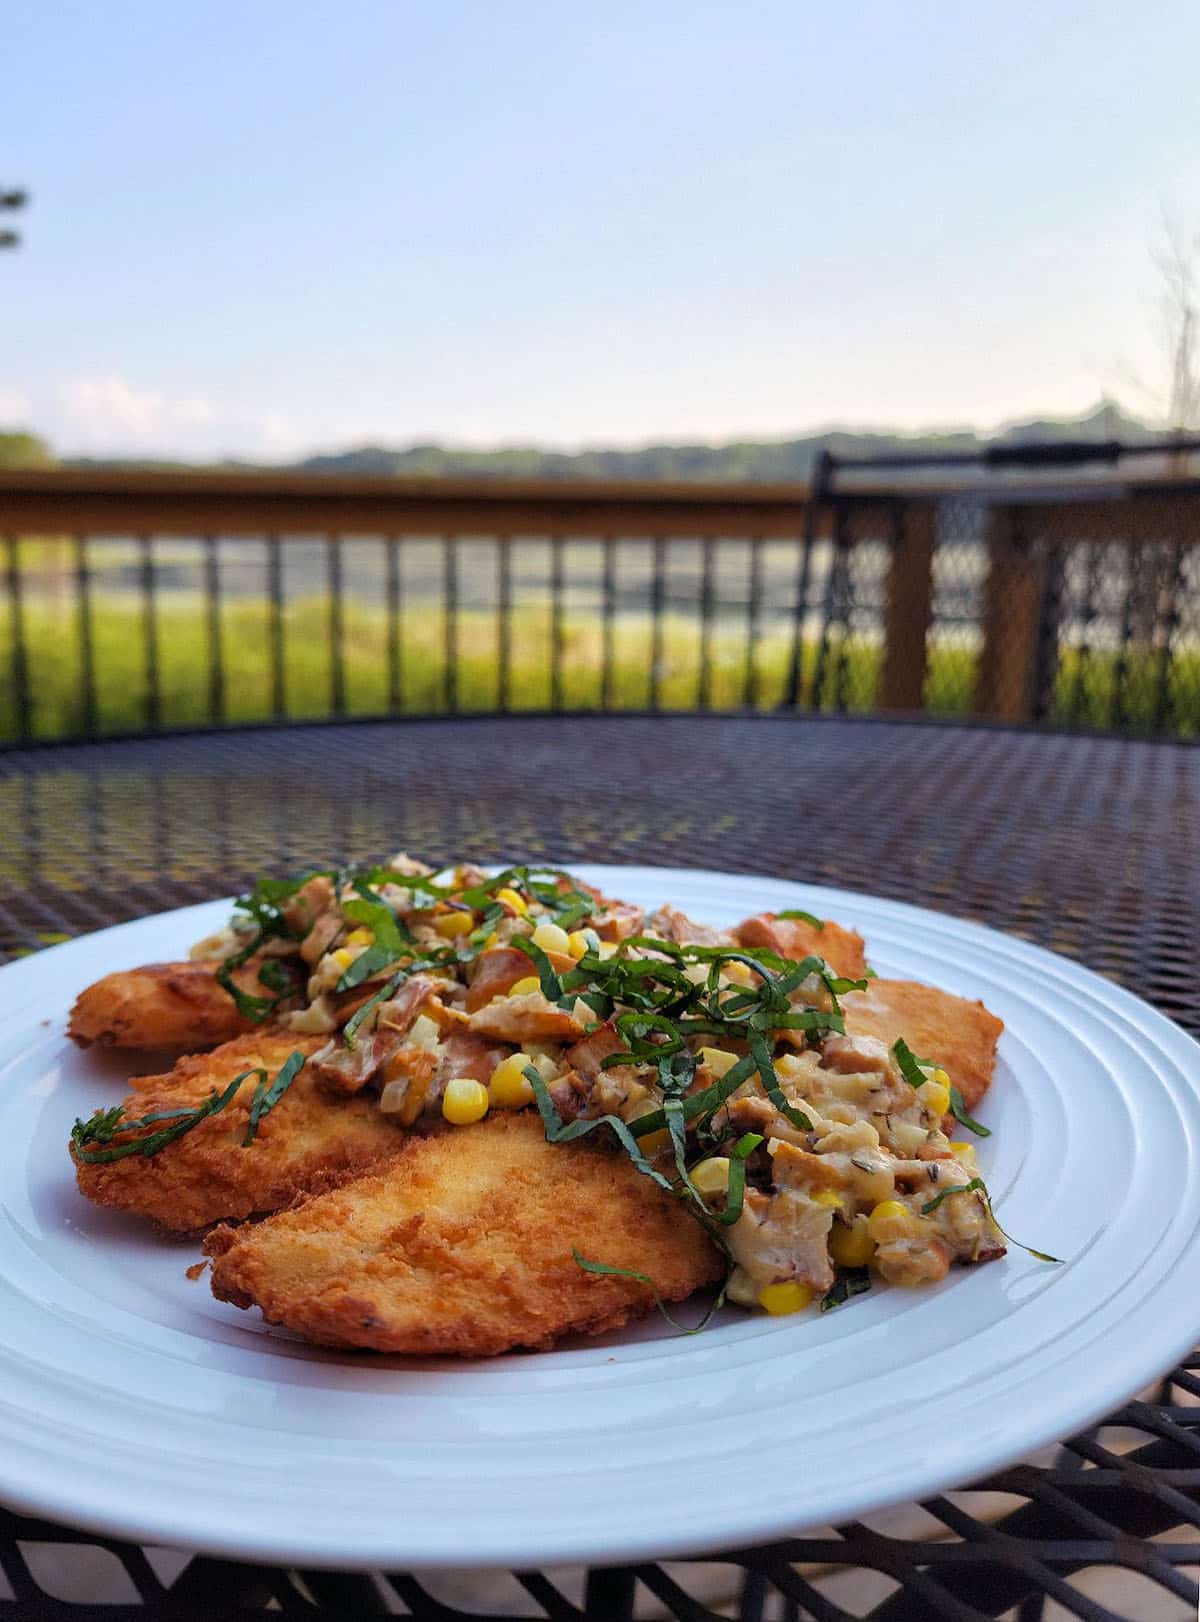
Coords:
851,1281
959,1188
910,1067
105,1124
267,1094
548,980
803,917
959,1111
735,1194
608,1271
761,1054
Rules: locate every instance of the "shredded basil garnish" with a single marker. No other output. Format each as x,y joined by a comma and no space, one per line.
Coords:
910,1069
608,1271
851,1281
104,1125
959,1188
804,917
548,980
958,1109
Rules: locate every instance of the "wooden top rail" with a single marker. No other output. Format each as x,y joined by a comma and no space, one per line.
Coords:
86,502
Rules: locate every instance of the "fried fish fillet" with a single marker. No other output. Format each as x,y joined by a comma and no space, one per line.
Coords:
161,1005
462,1245
307,1142
959,1034
795,938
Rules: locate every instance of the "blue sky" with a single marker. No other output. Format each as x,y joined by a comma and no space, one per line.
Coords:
260,227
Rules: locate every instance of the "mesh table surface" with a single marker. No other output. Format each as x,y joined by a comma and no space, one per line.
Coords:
1085,845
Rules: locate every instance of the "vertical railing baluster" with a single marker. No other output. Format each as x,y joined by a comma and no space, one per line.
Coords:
216,654
556,622
87,649
817,495
275,609
1087,618
504,623
19,651
608,627
829,605
337,668
150,635
392,593
657,596
1119,704
1163,703
450,620
704,692
845,601
753,615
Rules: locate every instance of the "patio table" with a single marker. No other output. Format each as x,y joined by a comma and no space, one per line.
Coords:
1087,845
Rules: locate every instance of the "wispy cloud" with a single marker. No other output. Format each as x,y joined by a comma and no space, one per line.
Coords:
109,414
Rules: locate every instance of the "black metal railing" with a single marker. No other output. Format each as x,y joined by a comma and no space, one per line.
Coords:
141,603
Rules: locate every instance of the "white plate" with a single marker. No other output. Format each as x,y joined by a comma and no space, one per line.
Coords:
134,1403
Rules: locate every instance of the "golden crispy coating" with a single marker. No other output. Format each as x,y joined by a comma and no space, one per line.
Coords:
462,1245
309,1141
161,1005
960,1035
841,948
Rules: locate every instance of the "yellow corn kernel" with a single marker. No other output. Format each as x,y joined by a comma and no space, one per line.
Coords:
936,1073
510,898
491,941
741,973
509,1086
882,1215
851,1246
552,938
451,924
522,988
711,1176
654,1141
718,1060
343,957
361,937
464,1101
827,1198
780,1299
578,944
963,1151
935,1096
607,949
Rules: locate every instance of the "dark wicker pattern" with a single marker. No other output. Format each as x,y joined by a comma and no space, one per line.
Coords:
1086,845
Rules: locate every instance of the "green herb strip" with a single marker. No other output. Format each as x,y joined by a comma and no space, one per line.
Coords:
959,1188
761,1054
735,1194
851,1281
910,1068
959,1111
548,980
802,916
560,1131
607,1270
267,1094
105,1124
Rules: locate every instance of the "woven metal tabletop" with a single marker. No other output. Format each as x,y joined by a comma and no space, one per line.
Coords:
1090,846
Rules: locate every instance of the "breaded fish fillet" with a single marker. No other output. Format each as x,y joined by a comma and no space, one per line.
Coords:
960,1035
462,1245
841,948
308,1141
161,1005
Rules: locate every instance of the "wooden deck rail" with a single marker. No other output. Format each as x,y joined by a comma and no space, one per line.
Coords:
277,506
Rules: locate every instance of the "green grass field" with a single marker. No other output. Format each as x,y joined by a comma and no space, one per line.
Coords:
183,657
